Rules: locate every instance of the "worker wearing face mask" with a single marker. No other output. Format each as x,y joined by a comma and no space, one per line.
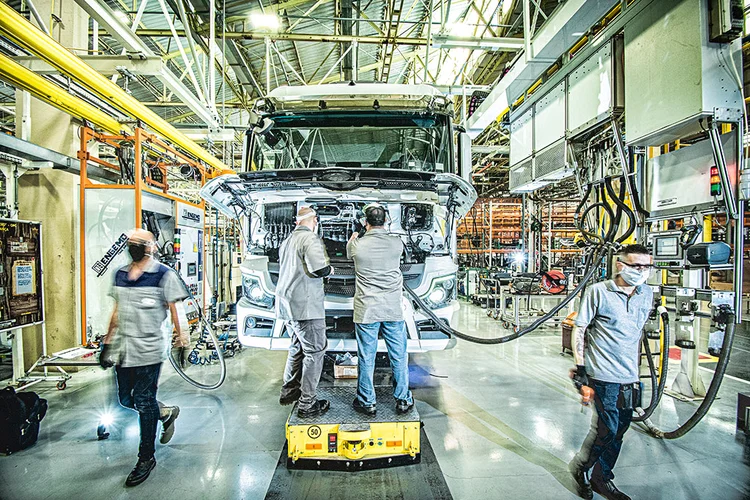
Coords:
303,264
606,336
144,291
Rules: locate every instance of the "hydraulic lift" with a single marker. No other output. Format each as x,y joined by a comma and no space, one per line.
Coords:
342,439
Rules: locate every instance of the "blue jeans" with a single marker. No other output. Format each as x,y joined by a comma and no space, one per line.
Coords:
394,334
608,426
136,389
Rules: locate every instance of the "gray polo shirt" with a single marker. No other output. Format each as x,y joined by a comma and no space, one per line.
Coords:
299,294
614,321
142,339
377,265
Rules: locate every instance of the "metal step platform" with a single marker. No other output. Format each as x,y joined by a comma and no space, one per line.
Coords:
342,439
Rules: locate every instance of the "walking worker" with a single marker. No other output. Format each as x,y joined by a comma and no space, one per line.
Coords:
137,344
605,347
377,309
303,264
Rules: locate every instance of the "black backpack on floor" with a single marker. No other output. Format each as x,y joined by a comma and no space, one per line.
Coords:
20,414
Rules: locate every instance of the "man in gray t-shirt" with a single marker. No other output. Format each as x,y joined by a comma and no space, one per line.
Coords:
303,264
607,332
145,292
377,310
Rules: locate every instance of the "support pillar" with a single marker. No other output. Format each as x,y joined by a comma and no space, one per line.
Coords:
51,196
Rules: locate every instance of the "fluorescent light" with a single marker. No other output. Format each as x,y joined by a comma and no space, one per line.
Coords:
270,22
491,43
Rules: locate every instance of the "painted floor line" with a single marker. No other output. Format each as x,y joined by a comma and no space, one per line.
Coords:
727,376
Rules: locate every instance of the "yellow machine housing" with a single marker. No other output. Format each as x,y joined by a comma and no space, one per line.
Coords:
343,439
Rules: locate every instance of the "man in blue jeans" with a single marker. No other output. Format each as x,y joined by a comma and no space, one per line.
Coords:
377,309
136,344
605,347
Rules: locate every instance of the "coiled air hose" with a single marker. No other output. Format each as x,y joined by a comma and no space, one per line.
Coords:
713,389
204,325
657,389
501,340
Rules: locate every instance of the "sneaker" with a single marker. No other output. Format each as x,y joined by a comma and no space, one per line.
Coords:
318,408
608,490
140,472
403,406
290,398
582,482
167,423
370,411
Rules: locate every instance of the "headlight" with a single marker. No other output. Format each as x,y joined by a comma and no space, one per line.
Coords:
254,292
442,291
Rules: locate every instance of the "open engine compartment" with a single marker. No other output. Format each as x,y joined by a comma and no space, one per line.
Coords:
416,224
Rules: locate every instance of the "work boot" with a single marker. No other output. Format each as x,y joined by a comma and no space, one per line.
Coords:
370,411
167,423
318,408
290,398
403,406
582,482
140,472
608,490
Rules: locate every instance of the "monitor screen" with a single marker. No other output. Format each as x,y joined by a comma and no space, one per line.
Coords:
192,269
667,246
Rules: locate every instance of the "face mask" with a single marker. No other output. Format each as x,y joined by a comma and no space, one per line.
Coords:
137,251
634,277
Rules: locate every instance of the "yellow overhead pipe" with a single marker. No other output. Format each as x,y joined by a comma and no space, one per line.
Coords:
41,88
28,36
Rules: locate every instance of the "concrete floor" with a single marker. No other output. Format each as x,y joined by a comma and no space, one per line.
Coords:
503,422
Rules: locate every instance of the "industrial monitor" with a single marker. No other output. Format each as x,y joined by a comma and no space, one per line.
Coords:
666,247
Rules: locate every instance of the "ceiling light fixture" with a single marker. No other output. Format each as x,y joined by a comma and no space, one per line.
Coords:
270,22
496,43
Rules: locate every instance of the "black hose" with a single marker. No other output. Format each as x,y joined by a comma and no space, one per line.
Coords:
636,159
622,208
713,389
204,324
657,390
614,225
578,221
610,215
501,340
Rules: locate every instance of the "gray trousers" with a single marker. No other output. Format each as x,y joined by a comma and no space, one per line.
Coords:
304,363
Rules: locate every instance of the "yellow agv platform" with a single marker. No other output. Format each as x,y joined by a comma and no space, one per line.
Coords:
342,439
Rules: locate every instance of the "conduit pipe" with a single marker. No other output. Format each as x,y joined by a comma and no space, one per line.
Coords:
44,90
28,36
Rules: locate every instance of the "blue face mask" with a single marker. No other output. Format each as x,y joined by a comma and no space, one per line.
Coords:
633,277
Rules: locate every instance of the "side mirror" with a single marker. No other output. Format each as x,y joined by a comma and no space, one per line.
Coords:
464,157
263,126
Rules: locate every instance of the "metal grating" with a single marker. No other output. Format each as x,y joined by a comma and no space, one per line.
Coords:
550,164
520,174
341,411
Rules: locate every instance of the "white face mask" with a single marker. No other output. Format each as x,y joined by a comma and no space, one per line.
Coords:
633,277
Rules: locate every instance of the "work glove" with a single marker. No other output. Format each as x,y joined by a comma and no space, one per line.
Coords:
104,360
579,376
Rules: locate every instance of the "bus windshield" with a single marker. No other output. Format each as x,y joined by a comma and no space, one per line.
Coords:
403,141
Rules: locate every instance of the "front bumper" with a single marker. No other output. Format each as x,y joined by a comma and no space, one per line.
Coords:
259,328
